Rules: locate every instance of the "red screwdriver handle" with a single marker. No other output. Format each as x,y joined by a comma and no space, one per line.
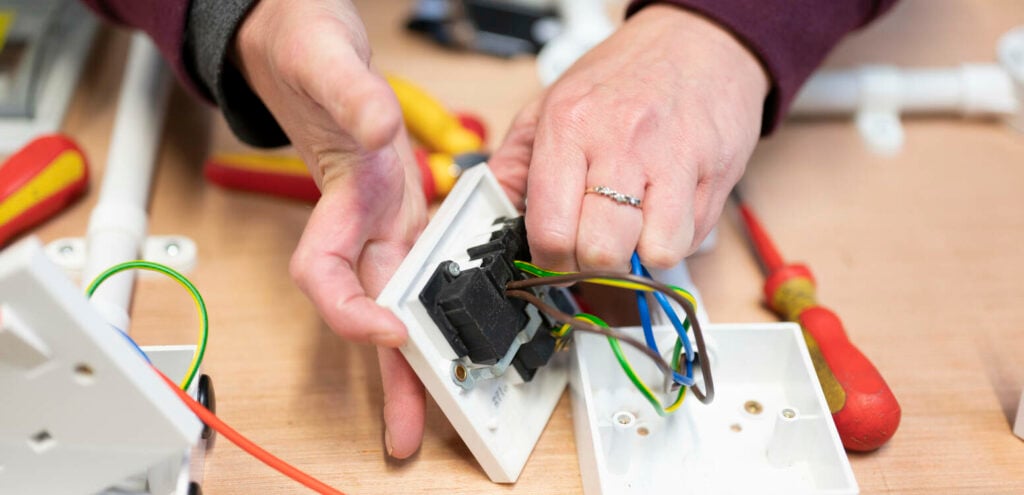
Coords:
870,415
39,181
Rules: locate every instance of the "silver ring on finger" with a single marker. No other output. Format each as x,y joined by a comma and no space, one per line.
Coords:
620,198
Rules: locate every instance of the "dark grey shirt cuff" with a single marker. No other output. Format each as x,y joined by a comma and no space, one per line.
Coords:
210,30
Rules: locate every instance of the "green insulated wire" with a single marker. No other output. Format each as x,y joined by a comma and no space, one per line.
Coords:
204,328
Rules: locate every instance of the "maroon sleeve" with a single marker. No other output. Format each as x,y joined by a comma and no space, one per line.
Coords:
790,37
163,20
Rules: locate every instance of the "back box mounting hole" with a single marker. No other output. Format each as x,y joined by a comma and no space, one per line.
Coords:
624,418
41,441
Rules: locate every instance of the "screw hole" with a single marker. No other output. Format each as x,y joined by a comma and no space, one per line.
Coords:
84,374
788,413
643,431
624,418
753,407
41,441
736,427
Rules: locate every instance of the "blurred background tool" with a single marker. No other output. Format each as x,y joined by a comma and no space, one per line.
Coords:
503,28
453,142
43,48
864,409
283,176
430,122
38,181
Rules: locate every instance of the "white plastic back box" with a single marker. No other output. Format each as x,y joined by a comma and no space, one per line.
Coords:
768,429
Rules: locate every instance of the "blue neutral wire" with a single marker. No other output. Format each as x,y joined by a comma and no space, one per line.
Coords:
133,343
680,327
642,306
638,269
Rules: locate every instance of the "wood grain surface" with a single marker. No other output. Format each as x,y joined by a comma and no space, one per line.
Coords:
921,255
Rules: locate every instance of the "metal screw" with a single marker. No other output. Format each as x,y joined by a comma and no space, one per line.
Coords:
736,427
753,407
788,413
453,269
643,431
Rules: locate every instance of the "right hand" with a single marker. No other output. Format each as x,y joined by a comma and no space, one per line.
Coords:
309,63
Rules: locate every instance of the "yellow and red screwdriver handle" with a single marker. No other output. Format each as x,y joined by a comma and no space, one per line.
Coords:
38,181
284,176
863,407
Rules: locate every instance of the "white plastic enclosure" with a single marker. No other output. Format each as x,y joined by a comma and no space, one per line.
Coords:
500,419
767,431
82,411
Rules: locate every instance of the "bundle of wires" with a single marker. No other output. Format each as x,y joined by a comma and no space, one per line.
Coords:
679,375
204,414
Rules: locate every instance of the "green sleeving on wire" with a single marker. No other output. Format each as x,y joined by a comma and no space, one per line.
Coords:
204,327
627,368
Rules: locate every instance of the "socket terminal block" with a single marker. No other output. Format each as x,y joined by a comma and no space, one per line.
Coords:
476,318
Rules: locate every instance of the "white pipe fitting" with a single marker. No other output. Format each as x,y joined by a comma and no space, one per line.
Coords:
878,95
118,223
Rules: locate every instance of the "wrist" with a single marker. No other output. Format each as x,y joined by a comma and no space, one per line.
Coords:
687,32
247,48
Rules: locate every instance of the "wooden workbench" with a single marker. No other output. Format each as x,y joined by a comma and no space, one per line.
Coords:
920,253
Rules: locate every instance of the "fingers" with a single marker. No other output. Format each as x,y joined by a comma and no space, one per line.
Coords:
325,265
668,230
333,286
511,162
609,230
404,404
339,78
557,178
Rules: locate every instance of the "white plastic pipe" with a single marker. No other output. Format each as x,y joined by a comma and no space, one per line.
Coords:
1011,57
118,224
965,90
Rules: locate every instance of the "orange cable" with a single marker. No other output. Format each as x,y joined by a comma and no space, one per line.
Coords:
211,420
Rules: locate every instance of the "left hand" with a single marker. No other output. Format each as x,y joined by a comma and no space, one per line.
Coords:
309,62
668,109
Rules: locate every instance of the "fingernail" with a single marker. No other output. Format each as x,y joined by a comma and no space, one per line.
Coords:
387,442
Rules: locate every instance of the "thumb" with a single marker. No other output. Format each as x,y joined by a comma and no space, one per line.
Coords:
404,404
358,99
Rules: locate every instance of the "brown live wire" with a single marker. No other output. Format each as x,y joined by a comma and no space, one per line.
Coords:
514,289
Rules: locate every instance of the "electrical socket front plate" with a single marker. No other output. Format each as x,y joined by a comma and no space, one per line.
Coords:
499,419
82,409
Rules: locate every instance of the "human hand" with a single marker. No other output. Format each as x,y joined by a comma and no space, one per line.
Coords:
309,63
668,109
